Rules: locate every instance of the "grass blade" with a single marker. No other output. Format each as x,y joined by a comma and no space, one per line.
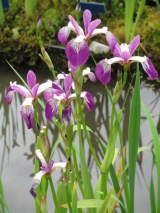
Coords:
133,137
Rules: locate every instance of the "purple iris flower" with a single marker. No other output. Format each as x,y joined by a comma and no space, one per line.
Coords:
57,95
123,55
44,169
77,50
31,96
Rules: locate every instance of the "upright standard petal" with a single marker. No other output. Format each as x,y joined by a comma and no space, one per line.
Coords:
31,79
111,40
75,25
88,99
67,85
134,44
92,26
27,112
77,51
34,91
87,16
63,34
103,71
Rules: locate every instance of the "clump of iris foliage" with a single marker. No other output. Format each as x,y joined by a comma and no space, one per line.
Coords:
64,101
18,38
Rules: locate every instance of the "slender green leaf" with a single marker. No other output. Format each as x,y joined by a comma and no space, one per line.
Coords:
105,204
88,203
152,192
117,187
74,199
156,142
2,195
55,146
2,202
133,137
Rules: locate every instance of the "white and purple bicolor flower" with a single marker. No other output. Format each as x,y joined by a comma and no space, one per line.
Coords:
56,95
31,95
123,55
77,49
44,169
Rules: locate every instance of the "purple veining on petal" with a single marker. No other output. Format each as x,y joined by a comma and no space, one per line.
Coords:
91,76
57,89
27,112
149,69
125,56
31,79
77,52
66,115
87,16
51,108
34,186
63,34
117,50
9,95
111,40
34,91
47,168
88,99
48,94
103,72
67,85
73,68
134,44
92,26
75,25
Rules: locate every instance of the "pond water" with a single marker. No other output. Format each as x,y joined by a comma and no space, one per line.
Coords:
17,142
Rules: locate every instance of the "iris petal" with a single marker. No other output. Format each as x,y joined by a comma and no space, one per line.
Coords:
149,69
92,26
9,95
31,79
87,16
77,52
134,44
111,40
51,108
88,99
103,72
63,34
27,112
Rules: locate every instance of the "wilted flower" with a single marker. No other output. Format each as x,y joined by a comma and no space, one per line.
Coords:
30,95
77,50
123,55
44,169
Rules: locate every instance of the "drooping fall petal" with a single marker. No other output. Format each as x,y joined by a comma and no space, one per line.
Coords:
77,51
103,72
51,108
27,112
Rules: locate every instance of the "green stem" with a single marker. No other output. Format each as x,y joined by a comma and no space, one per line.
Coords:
54,195
77,172
112,117
68,200
86,132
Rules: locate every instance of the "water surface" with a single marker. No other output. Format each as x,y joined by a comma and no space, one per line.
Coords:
17,142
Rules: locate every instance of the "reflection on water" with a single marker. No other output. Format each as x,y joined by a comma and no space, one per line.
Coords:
17,142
